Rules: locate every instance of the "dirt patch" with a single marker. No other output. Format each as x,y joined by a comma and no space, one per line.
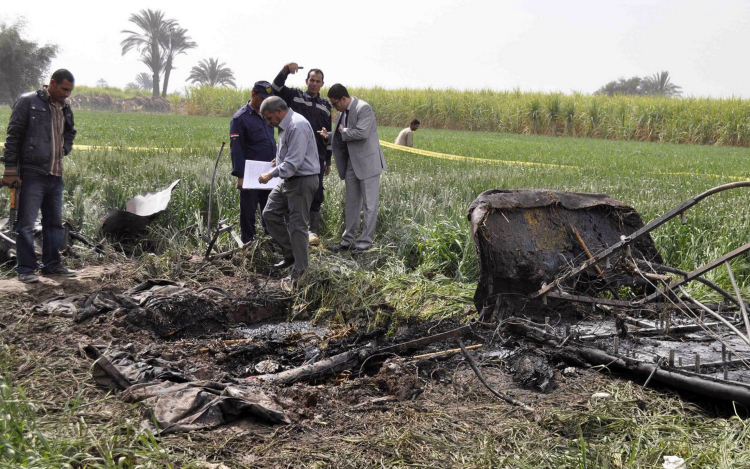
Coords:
230,330
55,285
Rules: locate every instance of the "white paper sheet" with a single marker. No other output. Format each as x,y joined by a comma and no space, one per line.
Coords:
253,169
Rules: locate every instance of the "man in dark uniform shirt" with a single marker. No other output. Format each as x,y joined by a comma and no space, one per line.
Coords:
318,112
251,138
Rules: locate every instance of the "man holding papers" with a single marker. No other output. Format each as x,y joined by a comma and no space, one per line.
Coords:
298,167
251,138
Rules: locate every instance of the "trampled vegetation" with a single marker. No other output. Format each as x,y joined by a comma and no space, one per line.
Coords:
425,267
422,222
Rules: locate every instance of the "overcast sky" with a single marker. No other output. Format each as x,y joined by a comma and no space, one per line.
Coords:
543,45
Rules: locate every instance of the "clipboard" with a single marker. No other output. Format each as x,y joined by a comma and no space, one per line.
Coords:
253,169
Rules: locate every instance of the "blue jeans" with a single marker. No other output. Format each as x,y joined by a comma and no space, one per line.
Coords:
45,193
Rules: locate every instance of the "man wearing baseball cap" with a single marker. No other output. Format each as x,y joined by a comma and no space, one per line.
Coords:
251,138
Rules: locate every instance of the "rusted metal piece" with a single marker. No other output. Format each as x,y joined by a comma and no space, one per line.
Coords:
586,249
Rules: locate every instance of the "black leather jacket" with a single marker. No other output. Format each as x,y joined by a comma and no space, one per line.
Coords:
28,143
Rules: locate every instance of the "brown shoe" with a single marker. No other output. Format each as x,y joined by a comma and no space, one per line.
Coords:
313,239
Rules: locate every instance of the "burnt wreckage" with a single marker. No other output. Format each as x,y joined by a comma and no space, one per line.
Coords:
580,274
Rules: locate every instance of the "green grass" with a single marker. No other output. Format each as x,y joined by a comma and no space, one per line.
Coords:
422,222
36,434
424,268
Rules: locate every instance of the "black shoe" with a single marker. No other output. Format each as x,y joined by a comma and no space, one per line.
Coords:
61,271
284,264
339,247
31,277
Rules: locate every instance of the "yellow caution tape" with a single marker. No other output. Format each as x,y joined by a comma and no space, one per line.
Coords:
116,148
716,176
446,156
433,154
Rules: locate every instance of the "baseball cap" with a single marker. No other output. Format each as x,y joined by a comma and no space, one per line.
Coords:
263,88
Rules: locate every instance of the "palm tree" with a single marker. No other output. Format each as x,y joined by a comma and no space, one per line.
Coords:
154,28
211,72
144,81
659,84
176,42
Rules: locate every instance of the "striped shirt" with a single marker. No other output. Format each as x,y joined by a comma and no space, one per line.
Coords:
58,127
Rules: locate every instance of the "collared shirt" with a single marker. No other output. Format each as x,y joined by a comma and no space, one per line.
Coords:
297,154
405,138
316,110
250,138
345,123
58,127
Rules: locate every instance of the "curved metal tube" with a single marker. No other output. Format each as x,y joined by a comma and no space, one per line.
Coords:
652,225
685,273
207,236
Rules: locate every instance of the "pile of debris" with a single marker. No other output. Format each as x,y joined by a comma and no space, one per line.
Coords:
567,282
579,274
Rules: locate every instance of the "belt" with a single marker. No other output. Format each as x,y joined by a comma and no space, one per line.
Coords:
292,178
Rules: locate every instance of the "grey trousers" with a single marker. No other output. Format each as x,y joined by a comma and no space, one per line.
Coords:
291,199
360,195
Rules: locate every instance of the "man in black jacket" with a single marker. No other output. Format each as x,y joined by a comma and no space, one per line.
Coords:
40,133
317,111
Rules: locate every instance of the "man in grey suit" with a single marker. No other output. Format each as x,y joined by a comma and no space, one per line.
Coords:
359,161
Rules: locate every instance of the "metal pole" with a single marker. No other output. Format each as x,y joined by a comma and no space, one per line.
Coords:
739,297
207,236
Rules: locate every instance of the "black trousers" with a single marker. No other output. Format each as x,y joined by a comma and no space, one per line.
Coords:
249,201
318,198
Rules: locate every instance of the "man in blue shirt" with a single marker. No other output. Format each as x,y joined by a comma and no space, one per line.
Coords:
288,210
317,111
251,138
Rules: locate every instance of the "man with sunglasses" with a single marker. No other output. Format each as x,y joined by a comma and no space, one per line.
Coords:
359,161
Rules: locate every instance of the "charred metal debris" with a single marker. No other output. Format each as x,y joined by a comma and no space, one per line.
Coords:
579,275
117,226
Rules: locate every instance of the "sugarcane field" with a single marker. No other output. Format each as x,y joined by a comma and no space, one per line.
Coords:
260,267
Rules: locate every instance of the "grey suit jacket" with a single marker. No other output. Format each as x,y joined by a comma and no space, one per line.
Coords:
361,136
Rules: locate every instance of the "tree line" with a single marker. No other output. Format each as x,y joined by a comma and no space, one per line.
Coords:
159,41
658,84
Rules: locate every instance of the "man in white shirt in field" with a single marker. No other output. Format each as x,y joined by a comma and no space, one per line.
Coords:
406,137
